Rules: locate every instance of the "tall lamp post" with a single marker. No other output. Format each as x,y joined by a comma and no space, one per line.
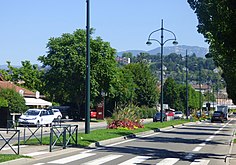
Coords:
162,42
87,108
186,66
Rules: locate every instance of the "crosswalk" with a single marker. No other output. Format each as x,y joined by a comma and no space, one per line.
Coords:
91,159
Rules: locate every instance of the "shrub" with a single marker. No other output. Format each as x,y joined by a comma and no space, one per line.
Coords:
128,118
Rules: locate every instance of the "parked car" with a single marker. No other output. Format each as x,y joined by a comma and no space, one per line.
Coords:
157,117
217,116
178,115
36,117
57,113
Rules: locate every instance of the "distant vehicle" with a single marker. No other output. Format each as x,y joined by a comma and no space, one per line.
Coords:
65,111
224,109
93,113
217,116
178,115
57,114
36,117
157,117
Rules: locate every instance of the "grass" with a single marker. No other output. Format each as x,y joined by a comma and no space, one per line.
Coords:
8,157
85,140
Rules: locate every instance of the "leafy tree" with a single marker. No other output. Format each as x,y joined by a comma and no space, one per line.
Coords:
66,62
123,87
217,22
171,94
27,76
15,101
3,102
146,84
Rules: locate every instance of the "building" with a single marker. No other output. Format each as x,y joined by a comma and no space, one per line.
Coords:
32,99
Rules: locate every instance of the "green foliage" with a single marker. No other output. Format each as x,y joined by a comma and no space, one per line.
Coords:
16,102
3,102
28,76
66,62
217,22
146,84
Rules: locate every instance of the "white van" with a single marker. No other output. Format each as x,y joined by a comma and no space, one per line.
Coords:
36,117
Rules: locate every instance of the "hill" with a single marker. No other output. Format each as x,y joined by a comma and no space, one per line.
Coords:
181,49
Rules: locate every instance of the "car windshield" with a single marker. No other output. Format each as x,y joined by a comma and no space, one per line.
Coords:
32,112
217,113
178,112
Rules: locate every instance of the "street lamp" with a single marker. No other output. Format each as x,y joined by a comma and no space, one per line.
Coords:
87,108
162,44
186,66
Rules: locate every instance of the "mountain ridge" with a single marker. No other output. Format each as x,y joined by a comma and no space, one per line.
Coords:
181,49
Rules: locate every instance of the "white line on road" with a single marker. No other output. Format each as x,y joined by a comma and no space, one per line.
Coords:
103,160
35,153
135,160
211,137
39,164
202,144
200,162
197,149
168,161
71,158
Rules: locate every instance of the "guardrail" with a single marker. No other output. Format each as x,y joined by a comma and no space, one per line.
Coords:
7,140
63,135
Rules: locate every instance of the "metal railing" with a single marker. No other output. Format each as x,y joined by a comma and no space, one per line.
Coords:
8,139
62,135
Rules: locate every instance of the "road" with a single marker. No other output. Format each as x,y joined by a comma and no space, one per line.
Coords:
201,143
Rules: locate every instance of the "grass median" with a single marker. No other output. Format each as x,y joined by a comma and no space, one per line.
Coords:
84,140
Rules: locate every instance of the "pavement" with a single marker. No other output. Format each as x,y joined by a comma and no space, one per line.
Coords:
36,152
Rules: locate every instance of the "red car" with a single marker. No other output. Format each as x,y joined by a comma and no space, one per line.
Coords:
93,113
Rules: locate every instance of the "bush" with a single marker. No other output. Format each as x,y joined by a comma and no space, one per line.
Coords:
128,117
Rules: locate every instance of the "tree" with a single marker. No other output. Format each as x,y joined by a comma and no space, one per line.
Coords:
217,22
65,78
123,88
15,101
146,84
171,94
27,76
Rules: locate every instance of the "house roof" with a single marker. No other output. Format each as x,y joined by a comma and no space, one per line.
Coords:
11,85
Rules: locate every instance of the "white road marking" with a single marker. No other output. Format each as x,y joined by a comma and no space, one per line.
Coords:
168,161
208,140
197,149
39,164
211,137
202,144
35,153
217,132
135,160
103,160
200,162
71,158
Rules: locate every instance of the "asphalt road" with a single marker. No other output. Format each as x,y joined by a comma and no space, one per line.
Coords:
201,143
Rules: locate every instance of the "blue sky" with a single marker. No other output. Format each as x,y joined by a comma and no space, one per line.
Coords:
26,25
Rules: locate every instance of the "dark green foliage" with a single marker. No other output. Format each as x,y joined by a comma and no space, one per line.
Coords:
146,84
217,22
15,101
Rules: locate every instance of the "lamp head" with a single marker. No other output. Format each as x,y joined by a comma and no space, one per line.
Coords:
175,42
149,42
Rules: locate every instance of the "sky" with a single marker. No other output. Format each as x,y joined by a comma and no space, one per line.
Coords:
27,25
